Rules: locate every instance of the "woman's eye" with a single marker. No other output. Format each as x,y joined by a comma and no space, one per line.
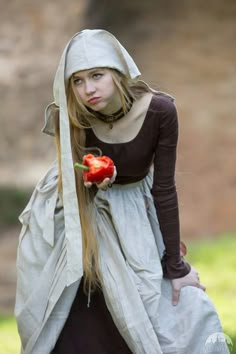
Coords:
77,82
97,76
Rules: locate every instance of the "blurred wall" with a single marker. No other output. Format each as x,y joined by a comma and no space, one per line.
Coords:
186,48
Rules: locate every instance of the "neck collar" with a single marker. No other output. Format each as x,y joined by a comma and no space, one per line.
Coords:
111,118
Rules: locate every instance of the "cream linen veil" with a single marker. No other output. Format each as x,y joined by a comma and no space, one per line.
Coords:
87,49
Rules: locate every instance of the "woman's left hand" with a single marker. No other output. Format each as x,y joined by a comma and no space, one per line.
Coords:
192,279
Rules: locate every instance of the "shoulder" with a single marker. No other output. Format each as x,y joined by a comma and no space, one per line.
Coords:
163,103
163,112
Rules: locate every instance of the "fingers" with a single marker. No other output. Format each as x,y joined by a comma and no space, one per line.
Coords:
191,279
202,287
176,293
112,180
105,183
102,185
198,284
108,181
175,296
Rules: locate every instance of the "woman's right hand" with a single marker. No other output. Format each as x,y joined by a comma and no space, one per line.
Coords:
105,183
192,279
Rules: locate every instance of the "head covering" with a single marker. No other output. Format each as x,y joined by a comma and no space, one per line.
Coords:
87,49
96,49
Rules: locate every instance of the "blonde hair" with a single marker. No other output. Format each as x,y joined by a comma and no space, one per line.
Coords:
80,120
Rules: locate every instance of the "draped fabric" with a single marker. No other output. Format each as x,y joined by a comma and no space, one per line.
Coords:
136,295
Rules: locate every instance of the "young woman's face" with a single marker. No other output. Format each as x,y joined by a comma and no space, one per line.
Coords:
97,90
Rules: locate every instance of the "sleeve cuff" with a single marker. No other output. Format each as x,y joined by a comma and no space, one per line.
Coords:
174,267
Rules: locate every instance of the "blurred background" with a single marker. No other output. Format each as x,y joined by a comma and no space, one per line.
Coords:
186,48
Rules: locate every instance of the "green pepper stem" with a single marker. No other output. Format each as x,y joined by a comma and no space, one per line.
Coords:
83,167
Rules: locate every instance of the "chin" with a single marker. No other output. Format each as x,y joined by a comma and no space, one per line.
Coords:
100,109
97,110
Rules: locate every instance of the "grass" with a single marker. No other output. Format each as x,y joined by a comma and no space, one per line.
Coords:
9,339
12,202
216,262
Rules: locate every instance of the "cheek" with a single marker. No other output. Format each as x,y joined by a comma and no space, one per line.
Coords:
79,92
111,86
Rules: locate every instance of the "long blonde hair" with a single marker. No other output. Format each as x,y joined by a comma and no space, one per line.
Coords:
80,120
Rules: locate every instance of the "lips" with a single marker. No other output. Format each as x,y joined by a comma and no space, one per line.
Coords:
94,100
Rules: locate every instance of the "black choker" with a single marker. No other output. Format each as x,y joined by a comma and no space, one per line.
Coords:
111,118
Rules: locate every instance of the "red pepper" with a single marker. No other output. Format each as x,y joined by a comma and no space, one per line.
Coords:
96,169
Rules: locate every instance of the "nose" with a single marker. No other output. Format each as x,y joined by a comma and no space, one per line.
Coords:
89,87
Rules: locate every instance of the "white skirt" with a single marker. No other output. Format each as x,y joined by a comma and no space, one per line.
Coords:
137,296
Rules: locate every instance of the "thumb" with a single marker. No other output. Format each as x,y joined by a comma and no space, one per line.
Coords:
175,297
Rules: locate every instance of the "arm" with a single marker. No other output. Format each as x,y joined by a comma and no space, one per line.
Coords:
164,190
166,202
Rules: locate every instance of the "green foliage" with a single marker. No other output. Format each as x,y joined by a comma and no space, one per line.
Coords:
12,202
9,339
216,263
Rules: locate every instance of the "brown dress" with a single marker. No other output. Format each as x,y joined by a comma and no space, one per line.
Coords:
90,330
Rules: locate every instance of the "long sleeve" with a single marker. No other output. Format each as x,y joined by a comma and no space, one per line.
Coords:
164,190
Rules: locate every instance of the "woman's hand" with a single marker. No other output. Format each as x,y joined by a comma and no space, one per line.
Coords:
191,279
105,183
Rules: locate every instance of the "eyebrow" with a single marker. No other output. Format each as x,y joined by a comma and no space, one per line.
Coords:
91,72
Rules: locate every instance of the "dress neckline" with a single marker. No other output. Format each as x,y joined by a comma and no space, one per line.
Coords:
149,109
111,118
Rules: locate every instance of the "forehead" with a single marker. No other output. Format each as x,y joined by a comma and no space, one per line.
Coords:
88,72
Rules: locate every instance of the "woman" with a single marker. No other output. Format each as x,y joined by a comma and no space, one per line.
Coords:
100,269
